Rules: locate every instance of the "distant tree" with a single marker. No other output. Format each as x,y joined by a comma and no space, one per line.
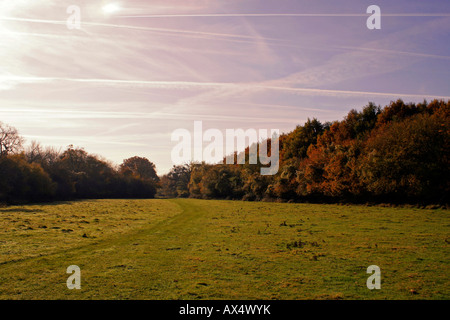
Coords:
285,183
10,140
22,181
45,156
254,185
176,182
410,159
34,153
222,182
359,123
398,110
140,167
198,171
331,166
295,144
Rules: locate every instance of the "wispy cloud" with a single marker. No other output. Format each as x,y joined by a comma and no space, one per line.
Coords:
178,32
185,85
267,15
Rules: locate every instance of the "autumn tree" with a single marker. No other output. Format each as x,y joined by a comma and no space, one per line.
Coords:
22,181
295,144
140,167
176,182
410,159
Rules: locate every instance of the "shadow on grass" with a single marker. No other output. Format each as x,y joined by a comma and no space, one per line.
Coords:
18,207
20,210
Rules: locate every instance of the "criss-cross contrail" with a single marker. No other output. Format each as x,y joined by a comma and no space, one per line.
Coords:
225,36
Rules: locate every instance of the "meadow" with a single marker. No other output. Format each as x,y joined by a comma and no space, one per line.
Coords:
209,249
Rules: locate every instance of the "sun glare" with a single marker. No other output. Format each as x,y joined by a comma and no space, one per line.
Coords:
111,8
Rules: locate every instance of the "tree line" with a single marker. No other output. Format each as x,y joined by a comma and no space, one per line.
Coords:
399,153
37,173
396,154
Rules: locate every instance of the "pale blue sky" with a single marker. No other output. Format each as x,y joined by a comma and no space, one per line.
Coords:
123,83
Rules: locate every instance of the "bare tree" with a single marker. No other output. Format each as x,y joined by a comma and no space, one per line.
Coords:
42,155
34,152
10,141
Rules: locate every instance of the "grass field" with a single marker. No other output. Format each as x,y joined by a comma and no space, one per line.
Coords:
206,249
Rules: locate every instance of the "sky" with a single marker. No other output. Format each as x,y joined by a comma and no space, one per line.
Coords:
136,71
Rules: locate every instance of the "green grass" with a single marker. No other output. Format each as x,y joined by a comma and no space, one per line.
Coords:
206,249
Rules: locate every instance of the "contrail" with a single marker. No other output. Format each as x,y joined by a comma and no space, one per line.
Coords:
233,37
350,93
219,15
181,85
96,24
74,114
407,53
85,139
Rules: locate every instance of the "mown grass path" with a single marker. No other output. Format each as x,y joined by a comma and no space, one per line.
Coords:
198,249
